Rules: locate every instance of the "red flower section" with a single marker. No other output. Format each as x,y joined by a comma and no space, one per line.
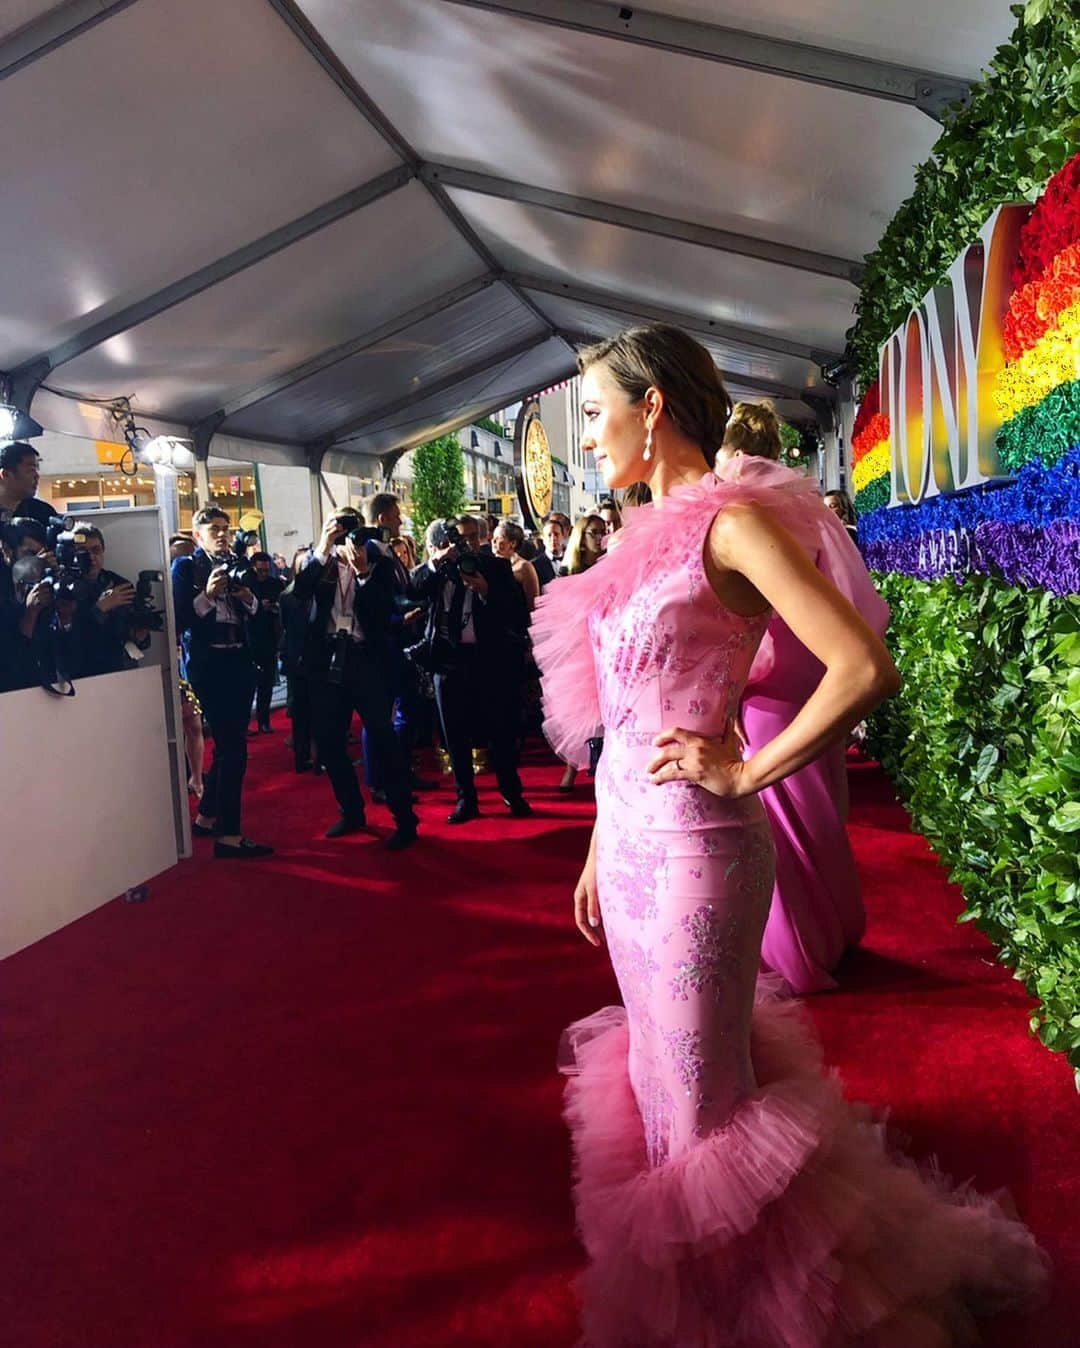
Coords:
868,409
1036,307
872,434
1052,226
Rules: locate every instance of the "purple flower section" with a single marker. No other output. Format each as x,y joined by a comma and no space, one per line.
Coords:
1047,557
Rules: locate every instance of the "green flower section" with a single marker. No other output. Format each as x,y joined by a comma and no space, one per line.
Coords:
1046,431
983,742
1021,124
873,495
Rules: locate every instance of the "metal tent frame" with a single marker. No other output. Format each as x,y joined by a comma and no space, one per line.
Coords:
429,203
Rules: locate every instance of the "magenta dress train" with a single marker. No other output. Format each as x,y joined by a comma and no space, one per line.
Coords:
726,1193
816,911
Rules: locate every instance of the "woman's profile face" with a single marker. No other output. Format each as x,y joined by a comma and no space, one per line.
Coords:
614,428
835,505
501,545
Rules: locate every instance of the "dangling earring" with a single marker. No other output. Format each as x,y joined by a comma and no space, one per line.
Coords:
648,445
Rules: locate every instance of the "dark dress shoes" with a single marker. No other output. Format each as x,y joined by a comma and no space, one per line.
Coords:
463,811
244,850
201,831
400,839
519,808
345,826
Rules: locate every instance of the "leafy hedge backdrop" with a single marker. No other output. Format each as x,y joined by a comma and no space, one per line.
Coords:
984,739
1020,126
983,742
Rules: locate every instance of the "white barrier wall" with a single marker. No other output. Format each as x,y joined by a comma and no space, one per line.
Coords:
90,795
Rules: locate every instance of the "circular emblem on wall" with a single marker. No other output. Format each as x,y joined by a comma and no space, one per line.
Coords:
532,460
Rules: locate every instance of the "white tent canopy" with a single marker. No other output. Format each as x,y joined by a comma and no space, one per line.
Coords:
336,228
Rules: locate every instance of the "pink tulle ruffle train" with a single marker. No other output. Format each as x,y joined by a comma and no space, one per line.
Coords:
791,1227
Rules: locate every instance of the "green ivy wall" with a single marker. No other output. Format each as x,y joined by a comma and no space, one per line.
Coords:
983,741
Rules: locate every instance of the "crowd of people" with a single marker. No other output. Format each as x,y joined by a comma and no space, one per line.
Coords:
429,644
426,651
64,614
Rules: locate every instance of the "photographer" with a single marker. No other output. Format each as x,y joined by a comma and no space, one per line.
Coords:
56,634
474,647
410,708
214,602
265,632
25,600
106,621
350,658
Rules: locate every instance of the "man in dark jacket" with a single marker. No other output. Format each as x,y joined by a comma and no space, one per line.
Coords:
212,616
350,657
474,647
265,630
20,472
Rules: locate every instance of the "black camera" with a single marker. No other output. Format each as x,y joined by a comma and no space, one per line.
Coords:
68,577
145,615
239,571
462,560
357,532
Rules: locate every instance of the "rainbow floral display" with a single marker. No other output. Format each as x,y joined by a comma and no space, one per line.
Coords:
871,458
1027,532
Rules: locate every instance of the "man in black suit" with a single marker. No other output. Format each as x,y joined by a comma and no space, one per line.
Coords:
474,646
384,513
265,628
212,616
20,472
350,659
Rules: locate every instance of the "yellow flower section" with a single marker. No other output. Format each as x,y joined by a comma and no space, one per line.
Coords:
1053,360
873,464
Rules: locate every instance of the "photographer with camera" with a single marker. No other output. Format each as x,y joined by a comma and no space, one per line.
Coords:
350,659
474,647
265,632
214,601
114,618
60,633
25,600
410,707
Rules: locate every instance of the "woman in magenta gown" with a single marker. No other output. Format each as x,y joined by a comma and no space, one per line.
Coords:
726,1193
816,911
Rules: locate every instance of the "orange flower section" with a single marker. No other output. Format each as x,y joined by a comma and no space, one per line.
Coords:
870,437
1036,308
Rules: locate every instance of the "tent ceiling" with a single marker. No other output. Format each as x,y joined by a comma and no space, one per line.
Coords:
271,316
954,36
630,125
360,222
812,309
476,330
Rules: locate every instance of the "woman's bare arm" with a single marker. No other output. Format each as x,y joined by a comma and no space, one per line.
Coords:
749,554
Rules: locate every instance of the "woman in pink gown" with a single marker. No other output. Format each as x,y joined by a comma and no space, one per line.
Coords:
817,910
726,1194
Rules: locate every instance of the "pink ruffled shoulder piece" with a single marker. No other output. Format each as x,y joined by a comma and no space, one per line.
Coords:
821,534
563,644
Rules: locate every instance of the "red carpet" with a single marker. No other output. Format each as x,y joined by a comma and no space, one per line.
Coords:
310,1102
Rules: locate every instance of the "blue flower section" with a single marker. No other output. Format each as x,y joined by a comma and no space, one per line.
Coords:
1039,496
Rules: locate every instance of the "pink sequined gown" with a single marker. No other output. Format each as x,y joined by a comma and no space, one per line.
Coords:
726,1194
